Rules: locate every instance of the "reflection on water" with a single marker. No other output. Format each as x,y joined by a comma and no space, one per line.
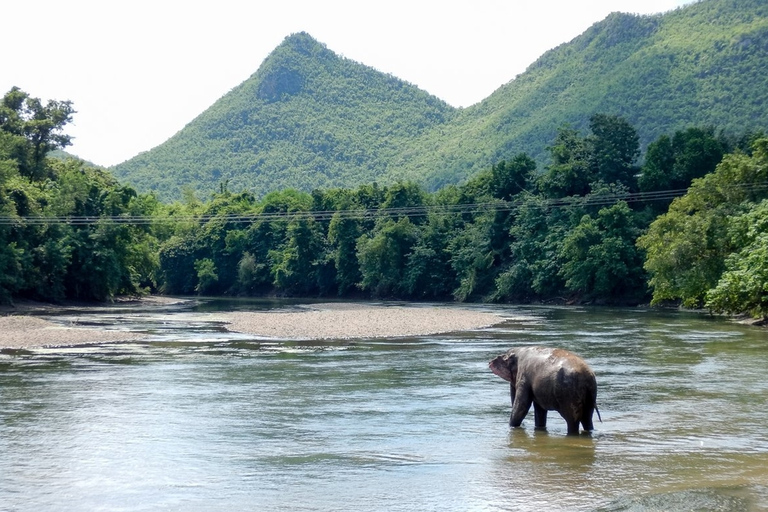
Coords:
200,419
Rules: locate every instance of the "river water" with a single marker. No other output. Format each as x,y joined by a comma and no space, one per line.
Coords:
197,419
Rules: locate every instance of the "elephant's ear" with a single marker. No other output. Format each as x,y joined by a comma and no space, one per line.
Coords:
499,366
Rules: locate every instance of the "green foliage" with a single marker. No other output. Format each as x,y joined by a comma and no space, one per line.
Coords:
505,234
51,260
743,287
343,233
604,157
428,273
672,164
600,257
687,247
383,256
30,130
477,252
614,148
206,275
294,266
570,173
536,239
177,266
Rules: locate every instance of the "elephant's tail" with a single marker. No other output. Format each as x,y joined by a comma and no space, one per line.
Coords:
598,413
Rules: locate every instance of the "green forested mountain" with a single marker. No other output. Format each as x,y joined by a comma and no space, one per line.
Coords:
311,119
701,65
307,118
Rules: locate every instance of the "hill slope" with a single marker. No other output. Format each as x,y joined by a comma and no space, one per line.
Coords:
702,65
308,118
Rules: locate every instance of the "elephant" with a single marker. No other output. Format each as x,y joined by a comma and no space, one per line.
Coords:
552,379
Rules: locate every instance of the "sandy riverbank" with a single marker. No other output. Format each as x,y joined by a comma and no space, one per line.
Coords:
24,332
350,320
21,330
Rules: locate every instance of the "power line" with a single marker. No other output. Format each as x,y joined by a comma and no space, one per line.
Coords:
362,213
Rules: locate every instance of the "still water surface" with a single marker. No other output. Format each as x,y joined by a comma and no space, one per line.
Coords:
197,419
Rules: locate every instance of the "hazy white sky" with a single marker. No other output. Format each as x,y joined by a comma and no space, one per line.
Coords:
138,71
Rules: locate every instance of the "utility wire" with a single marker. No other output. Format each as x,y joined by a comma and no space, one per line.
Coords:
364,213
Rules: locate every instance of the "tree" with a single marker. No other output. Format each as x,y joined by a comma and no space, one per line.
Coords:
606,155
343,233
428,272
570,172
672,163
206,275
743,286
600,259
295,265
478,251
659,162
536,239
509,178
614,147
687,247
400,198
41,126
247,271
383,256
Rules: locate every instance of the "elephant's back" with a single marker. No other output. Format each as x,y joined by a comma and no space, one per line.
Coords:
572,364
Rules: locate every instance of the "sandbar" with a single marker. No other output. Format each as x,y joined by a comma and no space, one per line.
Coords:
353,320
25,332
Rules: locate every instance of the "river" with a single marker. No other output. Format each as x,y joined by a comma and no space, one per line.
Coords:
198,419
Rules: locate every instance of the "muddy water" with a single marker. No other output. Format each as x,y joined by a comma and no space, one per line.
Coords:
198,419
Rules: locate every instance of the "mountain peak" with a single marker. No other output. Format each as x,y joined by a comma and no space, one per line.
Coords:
283,73
302,42
307,118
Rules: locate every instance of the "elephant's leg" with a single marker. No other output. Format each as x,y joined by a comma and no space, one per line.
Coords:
573,427
540,415
572,416
586,420
520,406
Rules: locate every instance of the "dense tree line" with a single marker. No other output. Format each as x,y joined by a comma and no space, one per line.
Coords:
41,258
592,226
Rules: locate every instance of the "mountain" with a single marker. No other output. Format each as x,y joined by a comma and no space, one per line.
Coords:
309,118
700,65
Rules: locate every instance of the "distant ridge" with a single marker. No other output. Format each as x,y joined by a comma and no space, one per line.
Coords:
309,118
700,65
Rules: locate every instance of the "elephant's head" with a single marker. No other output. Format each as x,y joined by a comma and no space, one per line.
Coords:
505,366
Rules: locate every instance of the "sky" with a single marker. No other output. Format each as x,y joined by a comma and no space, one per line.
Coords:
137,71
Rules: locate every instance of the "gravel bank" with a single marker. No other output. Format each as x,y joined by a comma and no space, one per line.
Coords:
315,322
25,332
348,320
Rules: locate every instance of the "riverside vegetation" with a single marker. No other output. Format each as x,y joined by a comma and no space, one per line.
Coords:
590,226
